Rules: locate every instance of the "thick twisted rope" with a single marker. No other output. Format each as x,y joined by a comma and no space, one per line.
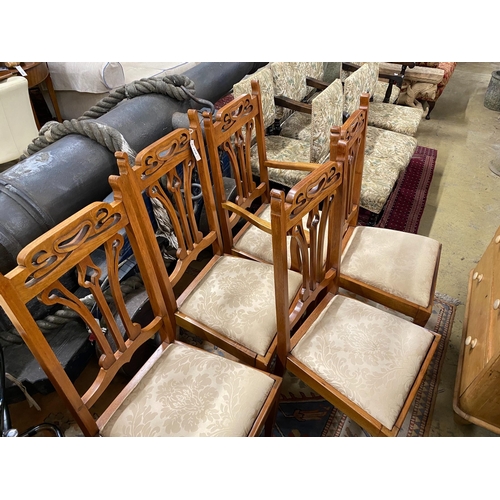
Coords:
105,135
166,85
172,86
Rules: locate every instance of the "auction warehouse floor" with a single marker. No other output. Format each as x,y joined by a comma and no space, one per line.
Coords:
462,211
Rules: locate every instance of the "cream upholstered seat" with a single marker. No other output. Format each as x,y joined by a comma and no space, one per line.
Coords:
178,390
256,242
369,356
392,268
402,264
190,392
237,298
368,363
17,122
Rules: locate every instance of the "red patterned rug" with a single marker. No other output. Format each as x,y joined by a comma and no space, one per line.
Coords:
405,206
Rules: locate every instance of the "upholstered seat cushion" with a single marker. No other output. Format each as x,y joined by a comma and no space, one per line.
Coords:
258,243
381,89
236,298
370,356
396,148
379,178
297,126
265,79
386,259
401,119
190,392
283,149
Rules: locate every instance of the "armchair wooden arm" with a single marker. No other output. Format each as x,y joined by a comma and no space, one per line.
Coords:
292,104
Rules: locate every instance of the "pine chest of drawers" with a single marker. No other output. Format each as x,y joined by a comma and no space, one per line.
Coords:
477,386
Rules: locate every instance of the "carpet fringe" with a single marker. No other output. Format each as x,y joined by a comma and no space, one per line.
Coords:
447,298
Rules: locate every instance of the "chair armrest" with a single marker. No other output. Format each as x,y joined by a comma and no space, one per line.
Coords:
288,165
393,79
292,104
315,83
262,224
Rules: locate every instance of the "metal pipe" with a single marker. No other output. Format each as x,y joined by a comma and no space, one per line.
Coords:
44,189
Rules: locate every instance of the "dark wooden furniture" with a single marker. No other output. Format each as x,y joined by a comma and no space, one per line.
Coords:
476,397
36,74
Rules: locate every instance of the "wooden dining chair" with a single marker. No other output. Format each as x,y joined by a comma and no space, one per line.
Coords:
180,390
392,268
228,300
238,130
367,362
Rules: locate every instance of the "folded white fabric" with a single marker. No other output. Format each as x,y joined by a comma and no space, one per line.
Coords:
91,77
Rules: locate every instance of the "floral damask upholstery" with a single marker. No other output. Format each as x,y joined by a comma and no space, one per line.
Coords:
401,119
258,243
190,392
381,90
371,256
370,356
379,177
396,148
265,79
237,299
290,81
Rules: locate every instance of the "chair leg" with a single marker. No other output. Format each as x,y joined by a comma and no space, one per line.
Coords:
271,419
431,107
422,317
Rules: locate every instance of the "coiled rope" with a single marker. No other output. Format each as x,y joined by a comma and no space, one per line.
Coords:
171,85
178,87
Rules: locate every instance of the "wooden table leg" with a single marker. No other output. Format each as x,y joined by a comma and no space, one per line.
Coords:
53,98
35,115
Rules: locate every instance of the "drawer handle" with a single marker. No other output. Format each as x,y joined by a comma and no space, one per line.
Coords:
497,239
469,341
496,304
480,278
475,275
